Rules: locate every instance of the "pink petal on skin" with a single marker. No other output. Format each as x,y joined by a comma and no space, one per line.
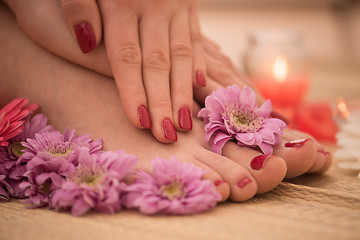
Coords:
265,109
247,97
219,142
214,104
267,149
246,138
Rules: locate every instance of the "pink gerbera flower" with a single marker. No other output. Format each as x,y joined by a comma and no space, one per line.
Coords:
13,169
96,183
11,118
174,188
233,114
50,157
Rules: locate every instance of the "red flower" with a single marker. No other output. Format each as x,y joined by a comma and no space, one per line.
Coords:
12,118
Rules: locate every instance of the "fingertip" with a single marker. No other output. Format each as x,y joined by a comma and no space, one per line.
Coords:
200,78
144,117
185,119
85,37
84,21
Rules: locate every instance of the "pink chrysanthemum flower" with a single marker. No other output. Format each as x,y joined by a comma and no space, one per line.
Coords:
9,164
50,157
5,188
174,188
233,114
96,183
11,118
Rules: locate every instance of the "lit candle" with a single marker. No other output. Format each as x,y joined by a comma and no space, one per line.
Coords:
281,86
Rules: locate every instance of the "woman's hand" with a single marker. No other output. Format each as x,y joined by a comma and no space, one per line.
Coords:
155,51
154,48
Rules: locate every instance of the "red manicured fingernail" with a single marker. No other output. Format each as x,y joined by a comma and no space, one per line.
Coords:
144,117
297,143
278,115
85,37
258,162
219,182
169,129
200,78
243,182
185,120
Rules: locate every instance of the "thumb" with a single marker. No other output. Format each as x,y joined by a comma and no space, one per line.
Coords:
83,18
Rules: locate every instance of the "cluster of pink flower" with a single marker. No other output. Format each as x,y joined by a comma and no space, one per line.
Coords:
71,172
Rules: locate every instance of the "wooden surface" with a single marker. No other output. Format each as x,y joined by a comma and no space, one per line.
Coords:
307,207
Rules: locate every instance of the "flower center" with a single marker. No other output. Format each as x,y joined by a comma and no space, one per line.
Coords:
242,119
16,149
60,149
85,175
172,190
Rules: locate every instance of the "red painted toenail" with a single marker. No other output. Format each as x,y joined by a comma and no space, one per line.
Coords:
258,162
297,143
169,129
323,151
243,182
144,117
218,182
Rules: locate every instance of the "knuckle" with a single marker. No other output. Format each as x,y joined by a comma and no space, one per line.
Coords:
134,91
182,49
196,35
129,54
222,70
73,6
157,60
184,93
162,105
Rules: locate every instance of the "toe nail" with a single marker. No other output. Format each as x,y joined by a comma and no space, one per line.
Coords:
323,151
243,182
258,162
296,143
219,182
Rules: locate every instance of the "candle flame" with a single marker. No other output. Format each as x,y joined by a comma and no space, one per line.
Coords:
342,107
280,68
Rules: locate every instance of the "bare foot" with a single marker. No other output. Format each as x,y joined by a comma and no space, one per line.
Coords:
300,158
77,98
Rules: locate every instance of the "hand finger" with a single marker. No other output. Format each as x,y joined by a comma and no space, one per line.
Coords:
199,66
201,93
181,71
222,71
215,53
83,18
123,50
154,32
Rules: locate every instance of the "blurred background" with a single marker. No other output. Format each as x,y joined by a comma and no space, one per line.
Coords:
330,30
